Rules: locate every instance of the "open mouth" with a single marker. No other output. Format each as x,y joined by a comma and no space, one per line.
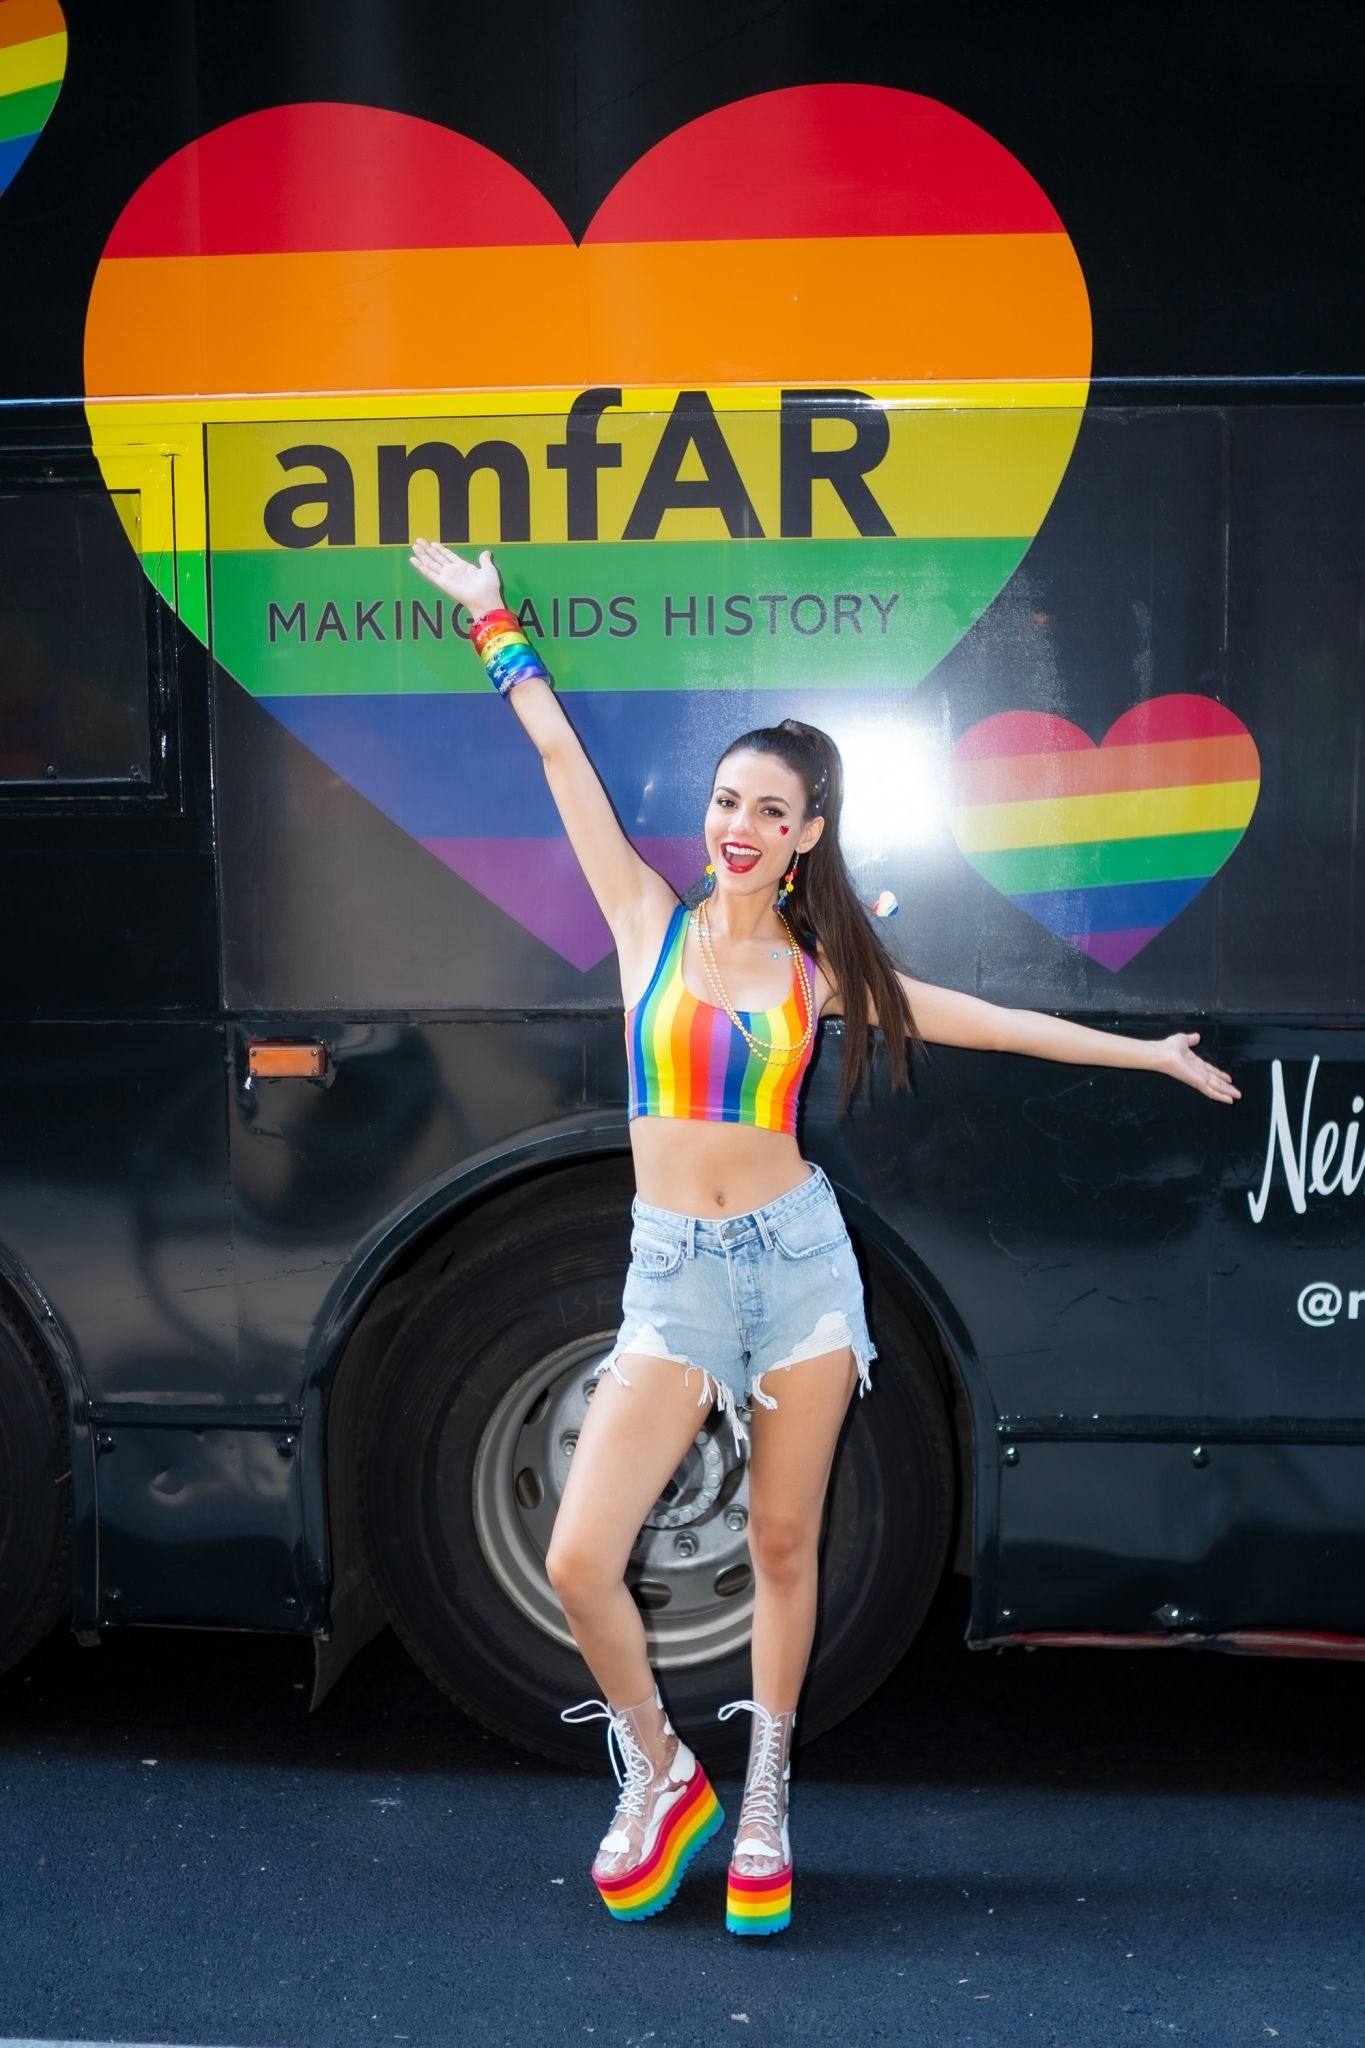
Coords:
739,859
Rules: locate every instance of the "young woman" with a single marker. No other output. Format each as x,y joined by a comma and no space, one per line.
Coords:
742,1290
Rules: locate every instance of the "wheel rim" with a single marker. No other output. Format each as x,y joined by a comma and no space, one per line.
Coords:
689,1570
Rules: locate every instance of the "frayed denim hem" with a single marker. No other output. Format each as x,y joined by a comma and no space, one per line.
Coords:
831,1333
646,1342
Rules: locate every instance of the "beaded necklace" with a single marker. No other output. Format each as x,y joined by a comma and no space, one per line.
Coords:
771,1055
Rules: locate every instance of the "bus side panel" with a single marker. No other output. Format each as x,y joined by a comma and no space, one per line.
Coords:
332,1179
114,1195
1156,1316
114,1206
1136,1538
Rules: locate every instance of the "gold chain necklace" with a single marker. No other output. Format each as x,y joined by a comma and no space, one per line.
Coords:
771,1055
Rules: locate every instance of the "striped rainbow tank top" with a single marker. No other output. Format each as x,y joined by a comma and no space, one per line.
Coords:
686,1059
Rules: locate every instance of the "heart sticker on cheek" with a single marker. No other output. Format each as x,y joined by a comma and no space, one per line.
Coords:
787,418
32,66
1104,845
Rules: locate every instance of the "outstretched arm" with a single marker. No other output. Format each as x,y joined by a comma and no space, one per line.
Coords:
945,1017
626,887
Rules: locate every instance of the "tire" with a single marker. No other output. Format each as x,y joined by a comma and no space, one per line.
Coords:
35,1494
468,1431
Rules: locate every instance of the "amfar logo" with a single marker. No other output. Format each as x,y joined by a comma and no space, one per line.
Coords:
1328,1167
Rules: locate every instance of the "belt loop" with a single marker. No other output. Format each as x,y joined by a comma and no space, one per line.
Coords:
763,1230
691,1237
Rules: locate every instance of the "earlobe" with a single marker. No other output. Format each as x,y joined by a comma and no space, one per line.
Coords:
810,834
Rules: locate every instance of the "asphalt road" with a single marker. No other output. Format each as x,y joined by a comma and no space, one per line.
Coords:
1063,1848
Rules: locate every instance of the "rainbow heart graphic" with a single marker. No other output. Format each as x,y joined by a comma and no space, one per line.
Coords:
32,67
788,417
1104,845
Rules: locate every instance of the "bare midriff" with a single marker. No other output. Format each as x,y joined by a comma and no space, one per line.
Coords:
712,1169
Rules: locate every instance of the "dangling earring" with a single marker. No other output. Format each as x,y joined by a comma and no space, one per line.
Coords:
788,882
709,884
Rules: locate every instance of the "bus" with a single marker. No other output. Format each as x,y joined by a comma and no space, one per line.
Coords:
990,399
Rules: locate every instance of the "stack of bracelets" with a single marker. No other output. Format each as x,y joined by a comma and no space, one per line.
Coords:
505,651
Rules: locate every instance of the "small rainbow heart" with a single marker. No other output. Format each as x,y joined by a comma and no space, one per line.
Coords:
1104,845
32,66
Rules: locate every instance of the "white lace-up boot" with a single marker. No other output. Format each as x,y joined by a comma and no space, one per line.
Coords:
758,1896
665,1812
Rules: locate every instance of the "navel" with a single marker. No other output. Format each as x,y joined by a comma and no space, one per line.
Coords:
720,1199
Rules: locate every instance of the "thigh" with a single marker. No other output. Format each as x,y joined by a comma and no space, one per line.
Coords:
632,1440
792,1445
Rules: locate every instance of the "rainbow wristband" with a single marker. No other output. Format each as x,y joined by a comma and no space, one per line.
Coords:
505,651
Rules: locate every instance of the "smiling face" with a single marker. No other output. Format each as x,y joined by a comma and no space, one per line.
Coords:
756,821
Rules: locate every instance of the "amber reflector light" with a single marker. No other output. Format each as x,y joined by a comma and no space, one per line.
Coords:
277,1062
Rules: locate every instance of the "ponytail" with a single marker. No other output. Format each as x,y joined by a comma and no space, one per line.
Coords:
824,907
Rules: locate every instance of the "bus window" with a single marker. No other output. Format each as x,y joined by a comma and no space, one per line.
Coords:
75,677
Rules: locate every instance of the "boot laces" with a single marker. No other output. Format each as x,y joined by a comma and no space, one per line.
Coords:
637,1777
631,1767
766,1780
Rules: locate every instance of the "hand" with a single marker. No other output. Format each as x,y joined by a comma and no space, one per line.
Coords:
1183,1064
475,585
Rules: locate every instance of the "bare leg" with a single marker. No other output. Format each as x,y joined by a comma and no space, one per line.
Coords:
633,1438
793,1447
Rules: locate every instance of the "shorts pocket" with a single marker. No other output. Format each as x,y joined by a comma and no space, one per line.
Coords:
817,1228
654,1258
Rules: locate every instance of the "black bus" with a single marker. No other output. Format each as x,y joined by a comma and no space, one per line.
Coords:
989,392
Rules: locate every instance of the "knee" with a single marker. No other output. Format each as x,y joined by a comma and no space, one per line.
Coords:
574,1571
783,1549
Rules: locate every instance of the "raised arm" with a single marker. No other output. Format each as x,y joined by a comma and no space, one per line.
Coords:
627,889
946,1017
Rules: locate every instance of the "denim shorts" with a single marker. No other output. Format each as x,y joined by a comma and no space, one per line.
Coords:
735,1298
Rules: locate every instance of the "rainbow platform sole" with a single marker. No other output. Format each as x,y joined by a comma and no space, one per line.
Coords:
647,1889
759,1905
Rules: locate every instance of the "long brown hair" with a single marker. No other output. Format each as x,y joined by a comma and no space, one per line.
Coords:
824,906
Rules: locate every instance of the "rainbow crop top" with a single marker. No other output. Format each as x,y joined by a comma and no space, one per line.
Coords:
686,1059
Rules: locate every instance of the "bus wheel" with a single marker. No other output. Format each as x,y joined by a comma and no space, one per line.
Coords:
35,1494
469,1430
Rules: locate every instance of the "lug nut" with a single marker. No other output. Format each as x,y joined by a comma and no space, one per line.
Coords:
736,1518
686,1545
566,1443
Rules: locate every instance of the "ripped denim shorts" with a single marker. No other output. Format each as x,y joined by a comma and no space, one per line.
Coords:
735,1298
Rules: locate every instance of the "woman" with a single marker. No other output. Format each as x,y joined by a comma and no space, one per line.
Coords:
740,1263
